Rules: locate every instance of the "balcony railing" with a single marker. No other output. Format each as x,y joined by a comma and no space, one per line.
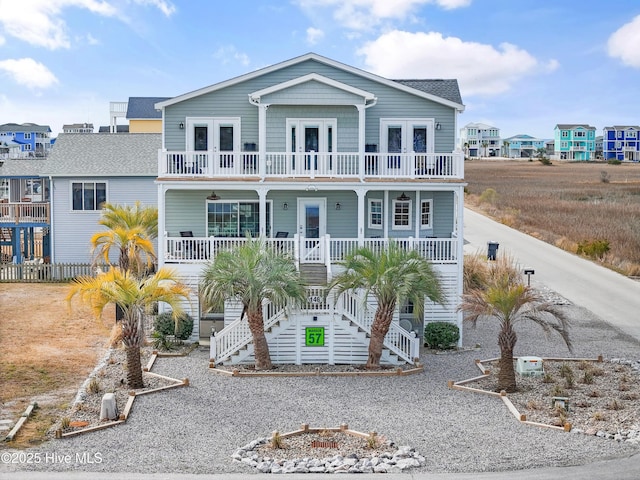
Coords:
24,212
203,249
189,164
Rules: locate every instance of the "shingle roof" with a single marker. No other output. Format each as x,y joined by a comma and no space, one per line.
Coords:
443,88
569,126
144,107
104,154
622,127
120,129
21,167
24,127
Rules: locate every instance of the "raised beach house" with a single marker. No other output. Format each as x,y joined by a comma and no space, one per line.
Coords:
317,157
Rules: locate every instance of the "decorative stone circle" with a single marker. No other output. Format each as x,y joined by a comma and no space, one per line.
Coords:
388,458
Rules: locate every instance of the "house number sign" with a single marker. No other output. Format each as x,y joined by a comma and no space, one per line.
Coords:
314,336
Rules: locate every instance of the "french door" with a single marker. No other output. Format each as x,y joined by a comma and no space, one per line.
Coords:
312,225
401,136
215,138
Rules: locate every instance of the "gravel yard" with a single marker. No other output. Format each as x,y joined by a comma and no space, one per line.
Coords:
196,429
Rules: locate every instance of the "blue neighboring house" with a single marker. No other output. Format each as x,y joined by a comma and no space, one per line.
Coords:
621,142
523,146
317,158
34,140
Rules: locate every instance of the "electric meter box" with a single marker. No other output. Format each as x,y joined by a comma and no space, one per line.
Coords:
529,366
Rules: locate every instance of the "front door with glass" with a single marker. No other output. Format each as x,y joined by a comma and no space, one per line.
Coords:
312,228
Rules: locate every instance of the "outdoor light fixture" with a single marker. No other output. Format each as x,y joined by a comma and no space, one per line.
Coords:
403,197
438,126
338,206
213,196
181,125
285,206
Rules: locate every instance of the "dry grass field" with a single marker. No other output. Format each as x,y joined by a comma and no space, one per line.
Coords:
46,352
565,204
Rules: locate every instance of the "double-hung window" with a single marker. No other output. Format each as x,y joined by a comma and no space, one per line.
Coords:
375,213
88,195
401,215
426,215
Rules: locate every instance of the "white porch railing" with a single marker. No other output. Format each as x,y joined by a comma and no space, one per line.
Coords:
323,250
310,165
353,307
24,212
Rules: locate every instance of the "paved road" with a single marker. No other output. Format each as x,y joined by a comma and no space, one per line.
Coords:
613,297
609,295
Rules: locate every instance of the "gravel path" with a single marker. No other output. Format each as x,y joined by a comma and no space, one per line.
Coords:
196,429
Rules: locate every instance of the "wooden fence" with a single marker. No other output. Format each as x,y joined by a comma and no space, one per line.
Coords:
45,272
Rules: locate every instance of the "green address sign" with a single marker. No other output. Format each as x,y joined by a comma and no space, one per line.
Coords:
314,336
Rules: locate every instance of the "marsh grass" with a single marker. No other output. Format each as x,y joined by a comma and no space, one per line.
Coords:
565,204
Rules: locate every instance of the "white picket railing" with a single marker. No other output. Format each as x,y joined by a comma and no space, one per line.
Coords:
350,305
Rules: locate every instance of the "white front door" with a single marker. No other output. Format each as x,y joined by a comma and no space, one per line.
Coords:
312,224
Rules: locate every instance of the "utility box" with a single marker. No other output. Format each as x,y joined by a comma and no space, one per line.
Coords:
529,366
492,250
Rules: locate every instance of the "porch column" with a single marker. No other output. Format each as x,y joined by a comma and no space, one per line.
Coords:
161,226
262,141
262,196
361,140
417,215
361,192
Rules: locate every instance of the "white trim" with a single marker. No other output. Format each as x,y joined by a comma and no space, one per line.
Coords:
268,203
407,125
83,181
294,61
323,125
430,224
370,225
322,222
367,96
393,215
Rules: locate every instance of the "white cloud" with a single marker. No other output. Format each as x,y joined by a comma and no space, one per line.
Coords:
28,72
167,8
2,40
41,23
314,35
364,14
481,69
229,54
624,43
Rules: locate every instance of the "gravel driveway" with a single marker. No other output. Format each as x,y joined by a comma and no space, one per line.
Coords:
196,429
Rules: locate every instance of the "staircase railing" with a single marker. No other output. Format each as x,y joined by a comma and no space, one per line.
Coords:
237,335
361,312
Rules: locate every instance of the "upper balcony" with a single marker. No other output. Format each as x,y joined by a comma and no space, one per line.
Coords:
310,165
23,213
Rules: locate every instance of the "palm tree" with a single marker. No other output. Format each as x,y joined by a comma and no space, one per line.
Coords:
251,273
130,230
392,276
506,144
510,302
135,297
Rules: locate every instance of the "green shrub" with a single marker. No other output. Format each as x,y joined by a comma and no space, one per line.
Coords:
614,161
441,335
166,325
489,196
161,342
545,161
593,248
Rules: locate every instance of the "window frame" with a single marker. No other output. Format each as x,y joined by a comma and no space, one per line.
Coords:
395,214
97,207
429,224
238,203
371,224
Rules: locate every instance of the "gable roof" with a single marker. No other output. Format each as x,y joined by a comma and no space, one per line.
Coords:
444,88
144,107
104,155
571,126
409,87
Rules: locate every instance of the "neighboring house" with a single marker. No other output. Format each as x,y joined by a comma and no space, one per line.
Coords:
9,149
140,112
574,142
317,157
523,146
549,147
480,140
24,210
87,170
78,128
621,142
34,140
599,147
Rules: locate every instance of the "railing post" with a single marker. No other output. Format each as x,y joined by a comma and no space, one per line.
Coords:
212,347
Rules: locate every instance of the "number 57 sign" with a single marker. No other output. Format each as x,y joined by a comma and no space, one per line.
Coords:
314,337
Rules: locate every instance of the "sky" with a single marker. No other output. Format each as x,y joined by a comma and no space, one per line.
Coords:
523,66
